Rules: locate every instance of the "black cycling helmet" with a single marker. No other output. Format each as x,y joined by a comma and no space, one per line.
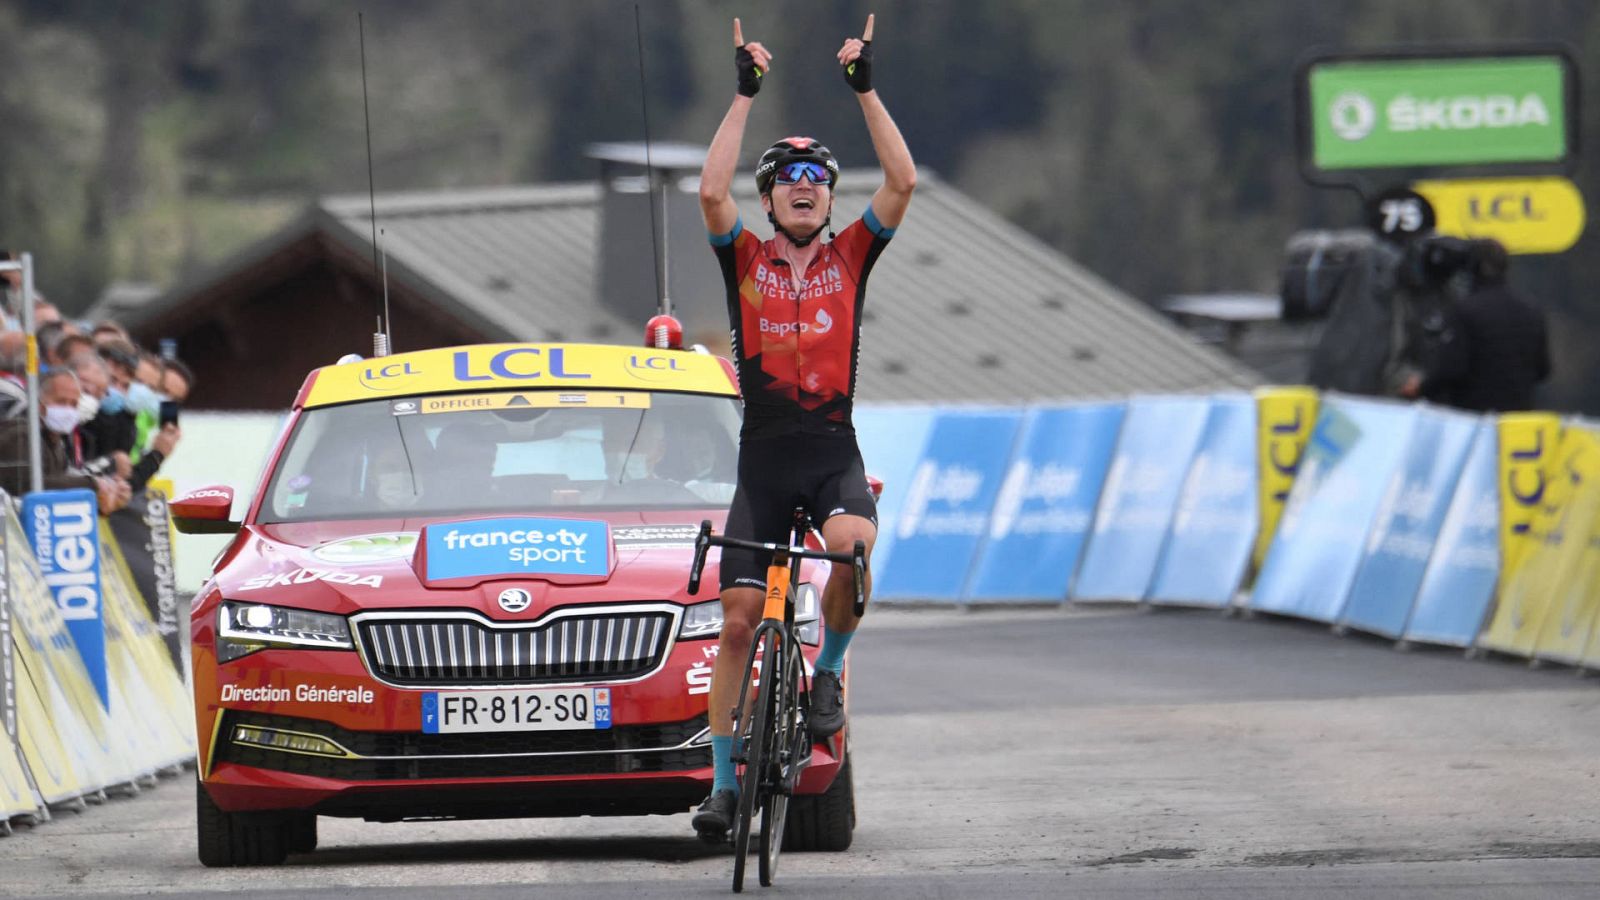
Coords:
788,150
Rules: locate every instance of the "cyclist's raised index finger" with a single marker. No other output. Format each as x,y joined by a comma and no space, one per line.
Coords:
867,34
738,34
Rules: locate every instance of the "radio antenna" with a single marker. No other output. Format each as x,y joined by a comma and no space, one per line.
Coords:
656,235
380,337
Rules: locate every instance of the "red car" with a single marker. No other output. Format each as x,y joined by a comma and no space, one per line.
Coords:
459,592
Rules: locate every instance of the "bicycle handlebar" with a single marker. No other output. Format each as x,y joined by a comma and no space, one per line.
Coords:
856,559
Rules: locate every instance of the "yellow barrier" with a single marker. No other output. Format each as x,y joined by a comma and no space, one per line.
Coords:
16,792
163,700
1543,554
1285,417
42,749
1575,599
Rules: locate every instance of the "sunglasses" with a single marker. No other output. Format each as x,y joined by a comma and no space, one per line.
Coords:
793,172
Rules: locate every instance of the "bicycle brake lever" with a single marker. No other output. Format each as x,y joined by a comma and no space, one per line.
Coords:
702,543
858,564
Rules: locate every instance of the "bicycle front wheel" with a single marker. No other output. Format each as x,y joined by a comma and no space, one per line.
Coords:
789,754
758,750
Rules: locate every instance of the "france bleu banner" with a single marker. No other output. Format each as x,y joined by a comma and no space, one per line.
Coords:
1214,527
891,439
65,532
1046,503
1459,582
1408,522
1158,441
1354,449
947,504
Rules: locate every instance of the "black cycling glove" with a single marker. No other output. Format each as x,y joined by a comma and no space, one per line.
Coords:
749,73
858,72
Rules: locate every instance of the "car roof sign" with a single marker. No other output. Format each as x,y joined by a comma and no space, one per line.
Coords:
490,367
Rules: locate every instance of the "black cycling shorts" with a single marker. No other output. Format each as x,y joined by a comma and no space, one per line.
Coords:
823,474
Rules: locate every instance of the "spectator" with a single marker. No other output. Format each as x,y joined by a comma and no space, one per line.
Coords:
177,380
1504,348
13,369
58,401
102,450
107,330
70,345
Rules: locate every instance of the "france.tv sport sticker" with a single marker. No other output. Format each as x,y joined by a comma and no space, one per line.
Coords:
517,546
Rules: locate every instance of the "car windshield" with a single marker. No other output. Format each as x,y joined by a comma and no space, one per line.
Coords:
507,451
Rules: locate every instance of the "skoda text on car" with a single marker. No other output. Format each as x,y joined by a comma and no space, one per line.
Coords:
459,592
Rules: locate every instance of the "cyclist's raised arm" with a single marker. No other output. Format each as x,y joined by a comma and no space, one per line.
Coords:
722,160
899,172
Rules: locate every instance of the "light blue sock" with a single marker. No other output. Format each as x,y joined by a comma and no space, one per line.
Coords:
834,643
722,764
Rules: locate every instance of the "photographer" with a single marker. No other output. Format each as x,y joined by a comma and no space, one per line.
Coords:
1496,348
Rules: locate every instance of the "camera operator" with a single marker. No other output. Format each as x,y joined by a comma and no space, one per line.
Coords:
1495,347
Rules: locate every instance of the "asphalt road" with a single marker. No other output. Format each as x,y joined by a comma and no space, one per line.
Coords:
1085,753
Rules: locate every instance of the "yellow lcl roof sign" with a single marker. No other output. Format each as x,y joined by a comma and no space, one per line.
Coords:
1527,215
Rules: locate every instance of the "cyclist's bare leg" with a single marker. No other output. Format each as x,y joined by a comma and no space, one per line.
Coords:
741,612
840,534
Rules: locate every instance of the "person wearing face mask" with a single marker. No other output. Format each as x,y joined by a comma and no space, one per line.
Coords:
59,394
113,428
101,452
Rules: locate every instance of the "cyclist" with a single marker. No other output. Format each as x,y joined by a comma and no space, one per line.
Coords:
794,304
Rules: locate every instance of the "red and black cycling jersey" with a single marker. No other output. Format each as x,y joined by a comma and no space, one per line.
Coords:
796,355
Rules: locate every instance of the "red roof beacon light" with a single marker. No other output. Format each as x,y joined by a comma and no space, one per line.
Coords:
663,333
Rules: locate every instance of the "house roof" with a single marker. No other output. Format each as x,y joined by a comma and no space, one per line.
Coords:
963,306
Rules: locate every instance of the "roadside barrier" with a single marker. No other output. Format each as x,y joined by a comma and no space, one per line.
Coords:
1407,521
64,742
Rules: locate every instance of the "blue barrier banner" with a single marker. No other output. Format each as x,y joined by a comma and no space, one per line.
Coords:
1158,441
1046,503
1408,522
1458,585
64,528
891,439
946,510
1354,450
1214,526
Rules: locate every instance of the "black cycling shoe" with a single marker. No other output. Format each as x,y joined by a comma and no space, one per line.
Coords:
714,819
827,705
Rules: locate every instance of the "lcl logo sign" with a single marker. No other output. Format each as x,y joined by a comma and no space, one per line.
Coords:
1527,215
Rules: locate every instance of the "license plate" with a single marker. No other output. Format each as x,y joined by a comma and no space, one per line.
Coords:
451,712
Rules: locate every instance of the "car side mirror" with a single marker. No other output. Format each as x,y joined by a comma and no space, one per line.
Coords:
875,485
205,511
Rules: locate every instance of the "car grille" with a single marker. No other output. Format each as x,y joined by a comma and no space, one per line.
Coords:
393,755
455,651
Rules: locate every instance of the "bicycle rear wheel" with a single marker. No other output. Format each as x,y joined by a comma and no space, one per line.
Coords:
788,757
758,751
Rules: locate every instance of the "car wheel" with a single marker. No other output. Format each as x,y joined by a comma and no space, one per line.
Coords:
824,821
302,832
239,839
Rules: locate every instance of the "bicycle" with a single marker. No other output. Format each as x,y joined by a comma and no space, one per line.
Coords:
773,742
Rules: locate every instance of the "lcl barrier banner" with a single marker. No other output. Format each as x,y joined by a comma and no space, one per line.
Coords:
1408,523
1527,451
947,505
1558,534
1575,596
1355,448
1458,585
1214,526
63,530
1284,419
17,797
891,441
1046,504
1159,438
144,535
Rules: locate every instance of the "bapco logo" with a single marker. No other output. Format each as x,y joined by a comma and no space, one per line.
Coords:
1352,115
824,322
514,600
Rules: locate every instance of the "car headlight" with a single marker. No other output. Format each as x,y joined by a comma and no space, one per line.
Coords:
244,628
703,620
